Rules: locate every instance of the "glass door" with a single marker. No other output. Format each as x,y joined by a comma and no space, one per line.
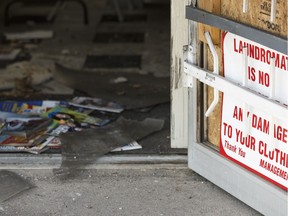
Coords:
238,111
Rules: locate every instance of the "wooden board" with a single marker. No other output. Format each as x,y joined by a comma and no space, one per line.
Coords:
213,6
214,123
258,15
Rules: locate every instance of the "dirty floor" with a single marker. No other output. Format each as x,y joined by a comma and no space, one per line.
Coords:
105,47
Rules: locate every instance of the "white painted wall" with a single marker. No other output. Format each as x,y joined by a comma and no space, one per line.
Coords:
179,96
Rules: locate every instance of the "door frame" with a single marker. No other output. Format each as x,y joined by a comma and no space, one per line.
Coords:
242,184
251,189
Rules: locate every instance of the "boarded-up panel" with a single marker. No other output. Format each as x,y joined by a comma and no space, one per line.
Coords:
213,121
258,15
213,6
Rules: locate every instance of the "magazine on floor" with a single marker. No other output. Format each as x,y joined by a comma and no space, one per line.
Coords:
73,118
25,127
96,104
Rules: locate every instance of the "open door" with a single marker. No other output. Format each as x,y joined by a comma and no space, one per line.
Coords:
236,76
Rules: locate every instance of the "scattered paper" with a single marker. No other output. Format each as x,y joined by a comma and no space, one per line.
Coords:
96,104
29,35
131,146
119,80
9,55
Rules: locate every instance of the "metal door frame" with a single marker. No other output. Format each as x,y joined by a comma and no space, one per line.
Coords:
256,192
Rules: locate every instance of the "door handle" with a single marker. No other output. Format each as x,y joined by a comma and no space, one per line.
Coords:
215,71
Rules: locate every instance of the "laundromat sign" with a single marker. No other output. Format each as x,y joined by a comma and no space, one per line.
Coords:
250,137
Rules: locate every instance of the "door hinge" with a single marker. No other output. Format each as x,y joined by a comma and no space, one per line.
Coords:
187,78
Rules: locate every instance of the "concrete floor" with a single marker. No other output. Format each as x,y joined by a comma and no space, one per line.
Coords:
125,190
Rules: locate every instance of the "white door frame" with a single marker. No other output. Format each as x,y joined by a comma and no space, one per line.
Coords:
244,185
256,192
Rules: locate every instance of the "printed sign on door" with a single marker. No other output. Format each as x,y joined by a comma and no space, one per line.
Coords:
250,137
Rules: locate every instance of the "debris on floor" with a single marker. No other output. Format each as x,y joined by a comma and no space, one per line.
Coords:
22,76
16,47
33,126
12,184
23,133
52,87
96,104
37,126
102,88
29,36
140,90
131,146
85,147
28,106
9,54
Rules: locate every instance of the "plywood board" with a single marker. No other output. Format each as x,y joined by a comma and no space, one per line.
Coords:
214,120
258,15
213,6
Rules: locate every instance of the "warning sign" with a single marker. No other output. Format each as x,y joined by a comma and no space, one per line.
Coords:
250,137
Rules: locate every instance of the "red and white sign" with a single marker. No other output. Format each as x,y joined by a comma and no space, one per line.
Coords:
252,138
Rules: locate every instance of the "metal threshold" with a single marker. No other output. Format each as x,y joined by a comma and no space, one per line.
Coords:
51,161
